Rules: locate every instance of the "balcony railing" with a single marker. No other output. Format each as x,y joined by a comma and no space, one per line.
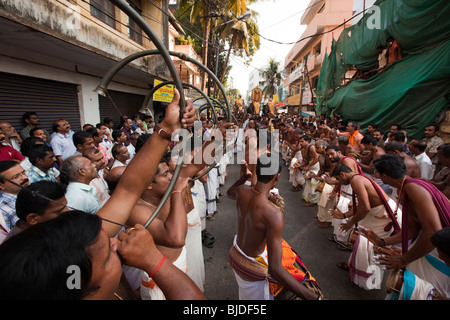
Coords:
296,74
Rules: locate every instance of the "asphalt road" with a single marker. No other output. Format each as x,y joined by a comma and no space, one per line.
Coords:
301,231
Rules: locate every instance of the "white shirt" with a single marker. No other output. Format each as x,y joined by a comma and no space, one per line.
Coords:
425,165
82,197
117,163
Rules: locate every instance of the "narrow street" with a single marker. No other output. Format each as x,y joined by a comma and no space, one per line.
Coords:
301,231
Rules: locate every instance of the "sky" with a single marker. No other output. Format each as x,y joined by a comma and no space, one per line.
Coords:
278,20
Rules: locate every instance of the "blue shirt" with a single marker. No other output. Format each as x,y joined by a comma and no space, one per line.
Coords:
63,145
35,174
8,208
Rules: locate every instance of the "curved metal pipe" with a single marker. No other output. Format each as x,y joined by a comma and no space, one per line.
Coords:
216,104
221,106
125,7
161,49
101,88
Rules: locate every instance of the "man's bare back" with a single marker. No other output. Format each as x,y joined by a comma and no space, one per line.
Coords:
254,212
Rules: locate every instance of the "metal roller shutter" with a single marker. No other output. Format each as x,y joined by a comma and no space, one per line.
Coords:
127,103
51,100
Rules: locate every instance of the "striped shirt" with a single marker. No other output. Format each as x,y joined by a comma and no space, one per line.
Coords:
8,208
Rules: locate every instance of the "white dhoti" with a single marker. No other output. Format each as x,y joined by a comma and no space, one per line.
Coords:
240,142
222,169
285,153
432,270
194,251
363,269
211,186
150,290
295,174
310,194
199,198
253,290
415,288
341,236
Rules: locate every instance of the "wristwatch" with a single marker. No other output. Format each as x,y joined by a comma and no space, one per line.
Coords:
163,133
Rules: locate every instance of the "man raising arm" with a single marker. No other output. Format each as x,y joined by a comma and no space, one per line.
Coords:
258,248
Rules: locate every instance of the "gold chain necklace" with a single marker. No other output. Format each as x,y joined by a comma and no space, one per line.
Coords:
400,191
267,195
147,203
280,203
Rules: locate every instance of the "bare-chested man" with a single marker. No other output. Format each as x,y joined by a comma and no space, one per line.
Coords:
335,156
169,228
412,168
310,167
370,144
258,250
341,195
373,209
425,211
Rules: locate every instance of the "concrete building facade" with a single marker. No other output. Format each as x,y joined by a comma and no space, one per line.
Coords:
54,53
324,18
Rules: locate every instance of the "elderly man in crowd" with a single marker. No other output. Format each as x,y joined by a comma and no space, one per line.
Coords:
78,172
12,138
87,236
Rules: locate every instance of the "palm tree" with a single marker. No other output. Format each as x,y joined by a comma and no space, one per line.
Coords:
242,37
272,77
200,10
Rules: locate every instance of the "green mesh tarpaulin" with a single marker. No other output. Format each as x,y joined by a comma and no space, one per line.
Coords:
413,90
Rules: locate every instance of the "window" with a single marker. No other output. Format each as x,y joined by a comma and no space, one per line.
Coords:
318,48
305,59
314,82
104,11
135,32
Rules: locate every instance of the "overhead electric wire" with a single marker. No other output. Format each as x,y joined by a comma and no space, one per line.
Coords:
311,36
291,16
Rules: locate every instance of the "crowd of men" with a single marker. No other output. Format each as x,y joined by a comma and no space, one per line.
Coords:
73,178
82,199
370,186
379,191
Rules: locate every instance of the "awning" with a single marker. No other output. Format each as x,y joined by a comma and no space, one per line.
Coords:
308,114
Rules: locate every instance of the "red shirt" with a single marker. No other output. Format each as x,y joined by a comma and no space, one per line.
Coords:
9,153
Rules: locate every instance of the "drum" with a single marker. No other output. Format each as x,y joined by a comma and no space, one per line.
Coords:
320,186
394,282
387,250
